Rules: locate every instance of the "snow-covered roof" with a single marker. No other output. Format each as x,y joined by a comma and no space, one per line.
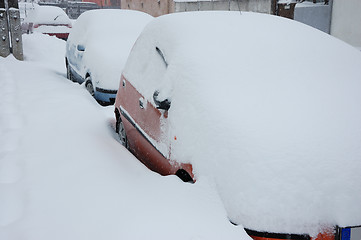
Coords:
286,1
49,15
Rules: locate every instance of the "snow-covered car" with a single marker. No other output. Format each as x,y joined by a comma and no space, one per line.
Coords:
98,46
50,20
266,108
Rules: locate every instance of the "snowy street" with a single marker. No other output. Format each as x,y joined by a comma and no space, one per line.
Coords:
265,124
63,174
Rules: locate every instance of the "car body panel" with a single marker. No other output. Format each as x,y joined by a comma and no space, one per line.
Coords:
75,74
74,58
330,233
104,95
143,129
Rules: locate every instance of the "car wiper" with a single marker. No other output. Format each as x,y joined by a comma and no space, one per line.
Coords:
162,55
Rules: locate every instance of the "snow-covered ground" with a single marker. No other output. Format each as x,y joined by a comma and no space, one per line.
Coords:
63,175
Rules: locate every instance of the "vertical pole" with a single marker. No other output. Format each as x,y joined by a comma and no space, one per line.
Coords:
15,30
4,31
330,5
274,7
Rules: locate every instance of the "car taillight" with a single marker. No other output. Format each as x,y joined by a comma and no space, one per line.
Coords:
69,26
36,25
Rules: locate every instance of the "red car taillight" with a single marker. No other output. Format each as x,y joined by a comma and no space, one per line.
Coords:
36,25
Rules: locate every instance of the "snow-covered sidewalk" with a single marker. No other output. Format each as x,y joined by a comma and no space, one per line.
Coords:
63,175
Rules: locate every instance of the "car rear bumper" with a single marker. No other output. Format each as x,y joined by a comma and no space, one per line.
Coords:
332,233
105,95
63,36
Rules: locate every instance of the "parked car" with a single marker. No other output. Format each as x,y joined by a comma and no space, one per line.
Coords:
49,20
265,108
98,46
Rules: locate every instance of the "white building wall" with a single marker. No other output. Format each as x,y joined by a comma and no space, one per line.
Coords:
346,21
263,6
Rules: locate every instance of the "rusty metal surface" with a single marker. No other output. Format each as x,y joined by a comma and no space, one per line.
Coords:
4,32
15,33
143,128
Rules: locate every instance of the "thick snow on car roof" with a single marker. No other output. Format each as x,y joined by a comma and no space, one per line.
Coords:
108,36
50,15
270,108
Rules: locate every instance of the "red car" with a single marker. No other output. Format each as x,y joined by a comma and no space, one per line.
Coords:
49,20
233,97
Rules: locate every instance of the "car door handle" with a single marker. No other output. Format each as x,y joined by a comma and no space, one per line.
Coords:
141,103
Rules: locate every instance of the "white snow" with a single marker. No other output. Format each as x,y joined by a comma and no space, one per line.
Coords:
266,107
52,29
286,1
104,63
50,15
64,176
310,4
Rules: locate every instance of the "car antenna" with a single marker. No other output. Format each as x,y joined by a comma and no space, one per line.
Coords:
56,17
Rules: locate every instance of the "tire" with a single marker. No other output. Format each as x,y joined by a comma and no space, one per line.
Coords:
122,136
89,85
69,75
184,176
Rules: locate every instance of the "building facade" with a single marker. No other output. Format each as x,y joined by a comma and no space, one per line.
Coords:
152,7
161,7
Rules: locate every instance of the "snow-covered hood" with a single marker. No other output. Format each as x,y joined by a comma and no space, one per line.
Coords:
269,107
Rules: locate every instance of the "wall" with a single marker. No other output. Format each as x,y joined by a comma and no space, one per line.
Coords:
160,7
346,21
152,7
316,15
263,6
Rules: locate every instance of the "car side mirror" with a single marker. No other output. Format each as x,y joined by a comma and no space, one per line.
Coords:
165,104
81,48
